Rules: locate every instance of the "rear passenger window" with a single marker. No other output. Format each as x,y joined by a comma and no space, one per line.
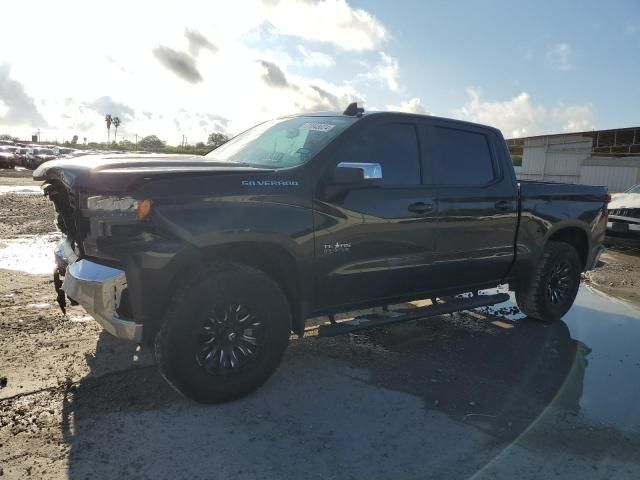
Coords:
464,157
394,146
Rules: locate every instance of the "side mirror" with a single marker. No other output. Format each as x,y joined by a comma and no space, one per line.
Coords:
355,173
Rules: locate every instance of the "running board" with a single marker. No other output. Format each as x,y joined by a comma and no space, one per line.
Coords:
396,316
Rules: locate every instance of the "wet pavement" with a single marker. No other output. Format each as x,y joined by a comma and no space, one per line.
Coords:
608,356
610,330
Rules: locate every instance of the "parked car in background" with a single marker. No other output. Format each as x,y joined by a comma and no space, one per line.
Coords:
623,227
67,152
38,156
20,156
6,157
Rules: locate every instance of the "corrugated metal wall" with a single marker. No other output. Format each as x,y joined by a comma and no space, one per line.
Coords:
555,158
618,179
568,158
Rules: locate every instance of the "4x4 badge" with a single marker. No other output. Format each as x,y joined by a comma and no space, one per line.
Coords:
338,247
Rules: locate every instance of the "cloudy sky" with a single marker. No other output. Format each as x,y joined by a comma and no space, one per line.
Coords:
192,67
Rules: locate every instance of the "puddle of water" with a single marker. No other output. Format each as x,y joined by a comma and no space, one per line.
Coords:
21,189
611,329
608,362
29,253
80,318
37,305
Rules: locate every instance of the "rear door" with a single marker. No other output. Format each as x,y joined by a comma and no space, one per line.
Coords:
377,242
477,204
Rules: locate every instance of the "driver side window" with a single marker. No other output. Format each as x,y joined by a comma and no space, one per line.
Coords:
393,145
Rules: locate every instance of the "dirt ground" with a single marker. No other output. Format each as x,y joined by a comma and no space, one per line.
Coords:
456,396
23,214
618,274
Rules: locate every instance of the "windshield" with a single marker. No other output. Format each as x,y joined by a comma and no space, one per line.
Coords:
283,142
634,189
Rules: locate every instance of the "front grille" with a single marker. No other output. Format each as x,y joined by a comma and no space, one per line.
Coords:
625,212
68,218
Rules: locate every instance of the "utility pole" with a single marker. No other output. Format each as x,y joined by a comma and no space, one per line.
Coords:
136,142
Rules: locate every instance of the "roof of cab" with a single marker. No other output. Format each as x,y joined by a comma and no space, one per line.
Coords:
454,121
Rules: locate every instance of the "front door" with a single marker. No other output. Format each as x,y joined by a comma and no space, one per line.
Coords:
376,242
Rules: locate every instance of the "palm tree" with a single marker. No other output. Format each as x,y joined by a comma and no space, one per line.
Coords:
109,120
116,123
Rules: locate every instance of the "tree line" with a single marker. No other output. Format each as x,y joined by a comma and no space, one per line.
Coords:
149,143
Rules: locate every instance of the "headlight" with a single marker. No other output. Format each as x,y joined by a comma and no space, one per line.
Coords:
119,205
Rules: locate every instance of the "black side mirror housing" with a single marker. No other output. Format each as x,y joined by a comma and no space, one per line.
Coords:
357,174
348,176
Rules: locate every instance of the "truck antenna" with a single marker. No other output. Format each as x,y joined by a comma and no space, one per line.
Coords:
353,110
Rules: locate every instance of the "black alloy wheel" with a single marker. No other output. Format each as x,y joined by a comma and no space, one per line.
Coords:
552,288
559,282
229,339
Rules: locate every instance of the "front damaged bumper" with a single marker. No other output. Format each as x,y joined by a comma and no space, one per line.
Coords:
98,288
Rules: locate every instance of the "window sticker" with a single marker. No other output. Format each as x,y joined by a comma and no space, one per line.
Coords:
317,127
303,151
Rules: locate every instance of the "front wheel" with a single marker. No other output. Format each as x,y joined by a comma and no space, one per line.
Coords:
224,335
554,285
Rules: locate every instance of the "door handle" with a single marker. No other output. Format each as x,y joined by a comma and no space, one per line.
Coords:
421,207
503,205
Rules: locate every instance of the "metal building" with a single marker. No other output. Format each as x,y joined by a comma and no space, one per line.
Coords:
605,157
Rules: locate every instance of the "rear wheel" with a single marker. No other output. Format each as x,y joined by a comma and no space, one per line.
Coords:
554,286
224,335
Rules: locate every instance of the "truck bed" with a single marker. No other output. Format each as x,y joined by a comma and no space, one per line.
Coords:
530,189
547,207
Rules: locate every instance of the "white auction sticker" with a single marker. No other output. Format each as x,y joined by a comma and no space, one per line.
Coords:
317,127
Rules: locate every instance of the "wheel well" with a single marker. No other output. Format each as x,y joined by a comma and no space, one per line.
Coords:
575,237
274,261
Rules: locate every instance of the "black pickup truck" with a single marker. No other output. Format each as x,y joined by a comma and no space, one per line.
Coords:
215,260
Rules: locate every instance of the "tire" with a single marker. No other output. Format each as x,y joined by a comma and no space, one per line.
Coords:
554,286
203,331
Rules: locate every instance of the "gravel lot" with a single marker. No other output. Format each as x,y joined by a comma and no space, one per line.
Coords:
484,394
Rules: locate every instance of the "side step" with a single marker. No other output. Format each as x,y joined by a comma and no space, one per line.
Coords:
396,316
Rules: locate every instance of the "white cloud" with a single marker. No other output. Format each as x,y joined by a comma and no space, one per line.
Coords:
559,56
208,61
520,117
516,117
386,71
4,108
315,59
333,21
413,105
389,71
574,118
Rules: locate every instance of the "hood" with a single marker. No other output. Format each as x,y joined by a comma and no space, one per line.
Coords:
120,172
624,200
